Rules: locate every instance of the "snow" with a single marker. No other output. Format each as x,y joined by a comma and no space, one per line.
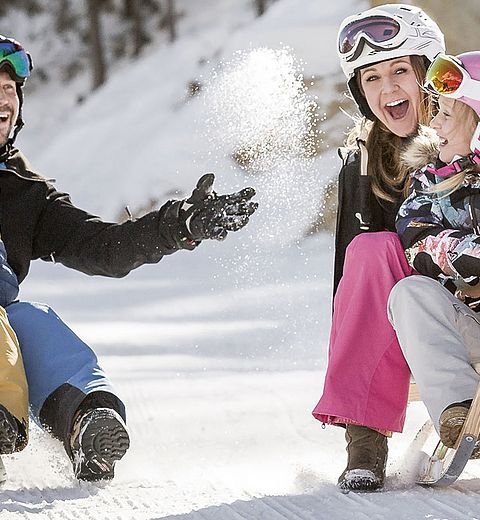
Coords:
220,353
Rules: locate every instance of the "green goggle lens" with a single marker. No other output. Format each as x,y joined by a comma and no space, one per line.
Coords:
14,56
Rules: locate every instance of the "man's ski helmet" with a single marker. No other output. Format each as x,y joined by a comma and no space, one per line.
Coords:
17,62
383,33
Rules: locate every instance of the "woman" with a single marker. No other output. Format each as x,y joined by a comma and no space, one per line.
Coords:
384,53
436,323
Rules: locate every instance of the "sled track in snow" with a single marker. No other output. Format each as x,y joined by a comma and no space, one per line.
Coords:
217,433
153,503
408,504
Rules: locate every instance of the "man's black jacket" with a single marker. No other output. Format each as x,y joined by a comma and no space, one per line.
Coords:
356,204
36,221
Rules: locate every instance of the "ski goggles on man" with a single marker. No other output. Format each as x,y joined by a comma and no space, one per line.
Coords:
14,57
380,31
446,76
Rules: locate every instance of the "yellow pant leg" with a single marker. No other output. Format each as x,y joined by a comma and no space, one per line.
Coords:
13,382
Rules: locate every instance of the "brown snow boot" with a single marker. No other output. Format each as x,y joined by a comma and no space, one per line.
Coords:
367,457
451,421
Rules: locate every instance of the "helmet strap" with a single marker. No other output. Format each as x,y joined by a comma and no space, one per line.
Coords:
359,98
457,166
475,142
19,124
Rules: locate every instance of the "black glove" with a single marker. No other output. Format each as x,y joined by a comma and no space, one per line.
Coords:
208,215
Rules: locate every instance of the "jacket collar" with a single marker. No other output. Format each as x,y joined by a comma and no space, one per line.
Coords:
421,149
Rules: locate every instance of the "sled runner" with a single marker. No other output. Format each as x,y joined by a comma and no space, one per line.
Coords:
3,473
445,465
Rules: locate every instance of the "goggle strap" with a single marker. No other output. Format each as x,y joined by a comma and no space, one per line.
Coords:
476,157
470,88
444,171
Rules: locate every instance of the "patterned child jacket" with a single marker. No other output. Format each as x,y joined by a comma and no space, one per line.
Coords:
438,230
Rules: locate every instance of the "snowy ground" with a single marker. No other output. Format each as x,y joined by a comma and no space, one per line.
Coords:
219,371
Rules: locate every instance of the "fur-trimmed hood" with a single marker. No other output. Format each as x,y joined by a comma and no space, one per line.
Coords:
422,149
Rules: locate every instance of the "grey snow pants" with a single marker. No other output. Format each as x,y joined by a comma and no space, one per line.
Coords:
440,339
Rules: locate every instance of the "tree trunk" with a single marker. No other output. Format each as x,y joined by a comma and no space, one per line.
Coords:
134,16
171,19
97,56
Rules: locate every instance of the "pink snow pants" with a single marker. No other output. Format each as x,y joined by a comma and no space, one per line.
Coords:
367,378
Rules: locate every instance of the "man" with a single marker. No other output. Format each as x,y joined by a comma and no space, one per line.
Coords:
70,395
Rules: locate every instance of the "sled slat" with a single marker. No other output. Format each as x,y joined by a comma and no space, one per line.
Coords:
413,393
472,424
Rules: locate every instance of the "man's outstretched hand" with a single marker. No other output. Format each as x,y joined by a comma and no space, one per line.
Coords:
207,215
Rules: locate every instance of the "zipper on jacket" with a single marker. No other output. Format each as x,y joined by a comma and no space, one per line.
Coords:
473,215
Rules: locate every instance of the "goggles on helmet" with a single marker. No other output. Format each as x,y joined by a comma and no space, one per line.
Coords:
14,57
380,31
447,76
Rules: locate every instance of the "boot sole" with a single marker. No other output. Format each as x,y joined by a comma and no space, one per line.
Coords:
8,433
103,441
354,480
360,485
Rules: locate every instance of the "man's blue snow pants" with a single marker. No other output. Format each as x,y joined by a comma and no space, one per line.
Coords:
55,357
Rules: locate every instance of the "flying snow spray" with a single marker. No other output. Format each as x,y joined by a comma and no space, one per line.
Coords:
259,114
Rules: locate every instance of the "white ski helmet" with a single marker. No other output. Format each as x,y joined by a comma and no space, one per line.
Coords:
383,33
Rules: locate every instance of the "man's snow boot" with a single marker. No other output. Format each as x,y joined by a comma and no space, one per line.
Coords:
8,431
99,438
451,421
367,458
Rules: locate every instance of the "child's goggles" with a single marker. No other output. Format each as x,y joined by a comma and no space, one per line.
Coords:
381,32
446,76
14,56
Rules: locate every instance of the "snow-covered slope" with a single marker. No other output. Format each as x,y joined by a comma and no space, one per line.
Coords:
219,371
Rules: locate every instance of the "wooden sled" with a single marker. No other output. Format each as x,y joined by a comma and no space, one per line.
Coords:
445,465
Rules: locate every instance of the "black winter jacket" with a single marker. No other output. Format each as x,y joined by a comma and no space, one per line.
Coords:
357,204
37,221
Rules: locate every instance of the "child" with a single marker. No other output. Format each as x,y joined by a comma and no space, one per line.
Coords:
439,226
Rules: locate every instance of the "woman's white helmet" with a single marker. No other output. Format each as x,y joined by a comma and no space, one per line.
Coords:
383,33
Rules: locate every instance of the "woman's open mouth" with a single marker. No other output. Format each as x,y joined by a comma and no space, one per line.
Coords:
397,109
